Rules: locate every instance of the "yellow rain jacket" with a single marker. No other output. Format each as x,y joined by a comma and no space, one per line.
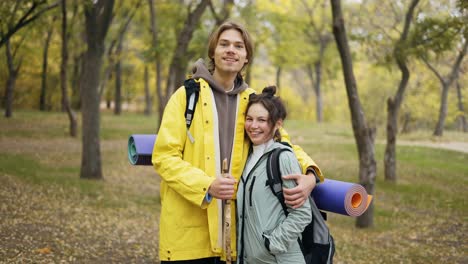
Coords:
190,227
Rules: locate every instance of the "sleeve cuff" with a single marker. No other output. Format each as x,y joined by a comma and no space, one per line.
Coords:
208,198
311,170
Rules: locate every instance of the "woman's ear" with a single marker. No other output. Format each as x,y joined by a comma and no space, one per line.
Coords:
279,124
276,133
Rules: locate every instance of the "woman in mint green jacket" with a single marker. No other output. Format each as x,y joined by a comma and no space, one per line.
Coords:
265,233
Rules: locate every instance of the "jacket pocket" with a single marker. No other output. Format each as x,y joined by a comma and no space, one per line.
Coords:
266,241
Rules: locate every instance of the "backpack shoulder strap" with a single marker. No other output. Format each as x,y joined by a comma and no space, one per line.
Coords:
274,178
192,90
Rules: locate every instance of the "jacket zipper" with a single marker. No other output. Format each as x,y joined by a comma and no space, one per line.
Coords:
241,253
251,190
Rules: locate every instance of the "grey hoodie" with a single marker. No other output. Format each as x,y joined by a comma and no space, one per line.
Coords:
226,105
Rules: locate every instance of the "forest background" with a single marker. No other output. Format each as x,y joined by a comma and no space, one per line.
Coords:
79,59
294,49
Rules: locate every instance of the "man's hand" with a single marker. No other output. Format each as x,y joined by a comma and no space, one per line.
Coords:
222,188
297,196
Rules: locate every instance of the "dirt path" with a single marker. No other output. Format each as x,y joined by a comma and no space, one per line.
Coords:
456,146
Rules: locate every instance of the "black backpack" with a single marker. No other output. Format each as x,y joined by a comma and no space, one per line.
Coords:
192,90
317,244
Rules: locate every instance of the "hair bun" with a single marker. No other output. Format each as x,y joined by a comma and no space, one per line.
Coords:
269,90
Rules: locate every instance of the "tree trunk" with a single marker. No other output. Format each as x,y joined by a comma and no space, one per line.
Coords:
177,68
225,11
108,70
310,73
439,128
248,72
10,83
461,117
116,65
159,92
8,101
405,127
155,42
390,149
98,17
446,83
91,152
78,64
42,97
63,74
318,94
320,32
316,85
118,79
278,77
250,17
363,135
393,104
148,105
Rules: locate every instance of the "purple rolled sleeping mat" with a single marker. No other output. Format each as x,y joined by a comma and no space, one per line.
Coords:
140,149
341,197
333,196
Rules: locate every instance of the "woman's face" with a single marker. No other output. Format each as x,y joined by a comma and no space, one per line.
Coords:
257,125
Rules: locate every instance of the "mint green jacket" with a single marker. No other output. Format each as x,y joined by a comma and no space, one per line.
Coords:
262,219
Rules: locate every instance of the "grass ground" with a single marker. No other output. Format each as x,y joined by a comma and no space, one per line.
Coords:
49,215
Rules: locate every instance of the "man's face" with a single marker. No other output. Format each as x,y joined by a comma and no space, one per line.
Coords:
230,54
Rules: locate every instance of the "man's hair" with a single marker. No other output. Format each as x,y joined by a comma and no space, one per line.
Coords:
273,104
215,37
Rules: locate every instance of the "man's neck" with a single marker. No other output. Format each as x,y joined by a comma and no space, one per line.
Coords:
225,80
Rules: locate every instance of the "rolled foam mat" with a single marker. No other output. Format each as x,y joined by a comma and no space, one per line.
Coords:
334,196
341,197
140,149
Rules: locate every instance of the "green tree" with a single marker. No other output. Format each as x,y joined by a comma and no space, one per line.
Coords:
320,35
119,39
18,14
178,65
435,39
394,103
15,16
363,134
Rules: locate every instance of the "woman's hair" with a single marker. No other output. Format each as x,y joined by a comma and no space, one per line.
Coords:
215,37
273,104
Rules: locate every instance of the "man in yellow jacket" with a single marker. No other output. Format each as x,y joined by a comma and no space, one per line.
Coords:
189,161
